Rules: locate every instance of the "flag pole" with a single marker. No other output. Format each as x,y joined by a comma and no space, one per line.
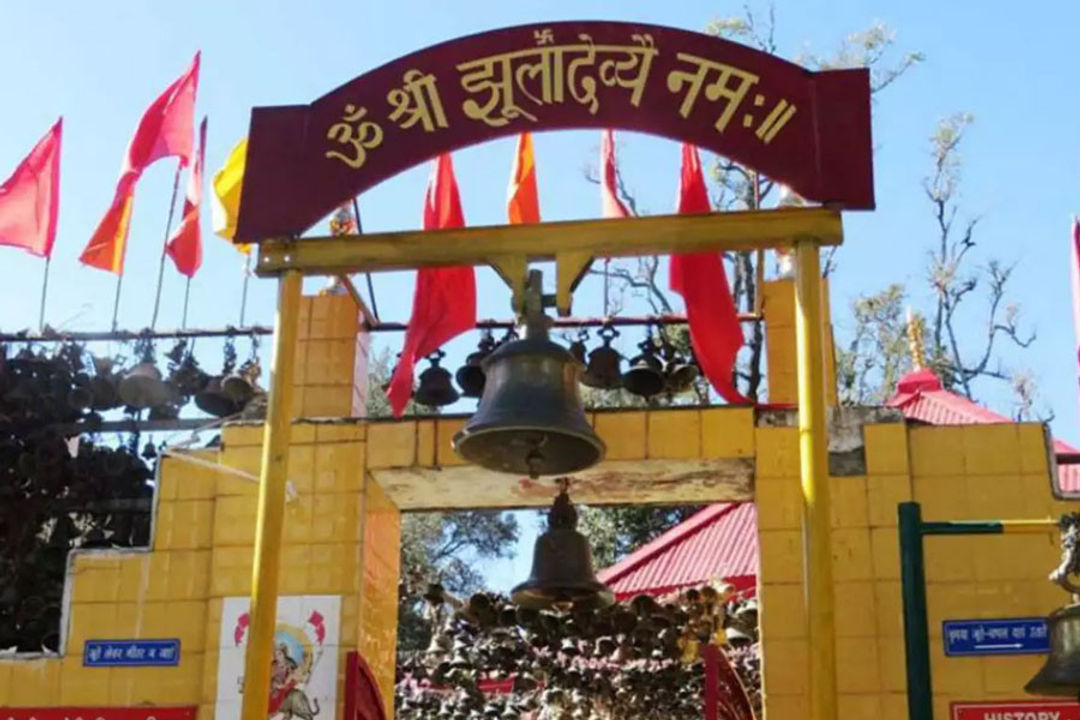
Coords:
116,300
244,292
44,292
187,294
165,243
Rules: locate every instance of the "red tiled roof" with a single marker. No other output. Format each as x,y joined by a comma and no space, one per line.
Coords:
920,396
718,542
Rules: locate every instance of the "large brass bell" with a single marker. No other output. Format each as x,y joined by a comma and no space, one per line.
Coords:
603,369
530,420
470,376
435,389
142,387
1061,673
562,572
645,377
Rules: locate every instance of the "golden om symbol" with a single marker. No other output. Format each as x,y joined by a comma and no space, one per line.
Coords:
353,130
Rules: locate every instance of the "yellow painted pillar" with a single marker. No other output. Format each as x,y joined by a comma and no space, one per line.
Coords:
271,508
814,471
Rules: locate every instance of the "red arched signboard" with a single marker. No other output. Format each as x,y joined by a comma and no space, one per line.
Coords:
809,130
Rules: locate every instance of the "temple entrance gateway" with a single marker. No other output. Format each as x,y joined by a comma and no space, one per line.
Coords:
809,130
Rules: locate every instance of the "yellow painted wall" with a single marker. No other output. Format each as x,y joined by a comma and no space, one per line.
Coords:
779,311
342,534
332,353
955,473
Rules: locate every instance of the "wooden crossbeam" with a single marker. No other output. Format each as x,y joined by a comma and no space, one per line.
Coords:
621,237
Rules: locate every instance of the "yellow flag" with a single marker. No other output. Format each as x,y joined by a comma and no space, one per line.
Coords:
227,184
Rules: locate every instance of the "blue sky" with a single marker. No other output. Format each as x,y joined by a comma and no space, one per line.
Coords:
100,64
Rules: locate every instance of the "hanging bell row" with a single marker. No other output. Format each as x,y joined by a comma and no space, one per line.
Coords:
71,383
650,373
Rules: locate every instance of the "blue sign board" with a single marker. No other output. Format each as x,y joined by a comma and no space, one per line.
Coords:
115,653
1009,636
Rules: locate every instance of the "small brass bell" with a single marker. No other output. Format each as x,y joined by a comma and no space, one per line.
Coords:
168,411
434,594
215,401
645,377
602,372
188,379
530,420
435,389
114,462
737,637
440,643
577,348
562,573
241,385
470,376
679,376
103,388
142,387
80,397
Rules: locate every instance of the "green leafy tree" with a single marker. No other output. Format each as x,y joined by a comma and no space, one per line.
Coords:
968,317
869,366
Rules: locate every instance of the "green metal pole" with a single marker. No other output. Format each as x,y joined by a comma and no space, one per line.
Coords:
916,628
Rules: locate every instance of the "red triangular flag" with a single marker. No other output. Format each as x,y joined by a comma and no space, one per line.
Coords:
30,198
185,246
167,127
610,204
444,304
700,278
523,201
165,130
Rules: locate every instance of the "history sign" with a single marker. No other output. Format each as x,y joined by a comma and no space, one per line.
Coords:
1034,710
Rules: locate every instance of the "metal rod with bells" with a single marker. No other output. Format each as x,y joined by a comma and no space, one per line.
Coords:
530,419
1060,675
